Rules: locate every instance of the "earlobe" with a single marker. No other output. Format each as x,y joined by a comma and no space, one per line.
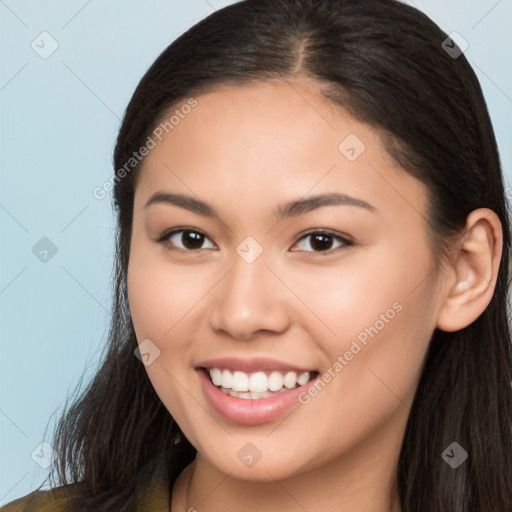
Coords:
475,270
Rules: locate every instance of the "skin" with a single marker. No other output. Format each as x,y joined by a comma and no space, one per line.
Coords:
246,150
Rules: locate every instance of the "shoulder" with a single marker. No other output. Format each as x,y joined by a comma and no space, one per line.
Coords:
51,500
151,490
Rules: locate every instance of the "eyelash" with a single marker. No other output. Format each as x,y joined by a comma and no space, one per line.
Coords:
164,239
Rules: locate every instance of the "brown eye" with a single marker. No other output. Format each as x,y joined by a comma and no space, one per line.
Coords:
322,241
185,239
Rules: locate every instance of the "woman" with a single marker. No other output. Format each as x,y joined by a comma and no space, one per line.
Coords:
312,272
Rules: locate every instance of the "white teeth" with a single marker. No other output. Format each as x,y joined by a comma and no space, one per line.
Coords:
303,378
240,381
216,376
256,396
275,381
290,380
250,394
258,384
227,379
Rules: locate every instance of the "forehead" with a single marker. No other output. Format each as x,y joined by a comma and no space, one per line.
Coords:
252,143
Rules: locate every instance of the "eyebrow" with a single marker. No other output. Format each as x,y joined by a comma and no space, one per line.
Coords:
290,209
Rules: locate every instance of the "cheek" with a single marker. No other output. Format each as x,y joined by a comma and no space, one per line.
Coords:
377,315
160,303
364,289
160,296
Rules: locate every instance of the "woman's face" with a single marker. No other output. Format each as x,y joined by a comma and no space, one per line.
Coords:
247,292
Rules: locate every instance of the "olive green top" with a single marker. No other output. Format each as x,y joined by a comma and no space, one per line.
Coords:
152,494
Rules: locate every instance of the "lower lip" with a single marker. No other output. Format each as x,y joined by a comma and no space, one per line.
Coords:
248,411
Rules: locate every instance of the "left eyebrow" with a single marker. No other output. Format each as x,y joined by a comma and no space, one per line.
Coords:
290,209
302,206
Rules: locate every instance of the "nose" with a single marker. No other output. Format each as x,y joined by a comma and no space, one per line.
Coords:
249,300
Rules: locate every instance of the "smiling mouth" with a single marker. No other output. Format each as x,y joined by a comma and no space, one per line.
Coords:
257,385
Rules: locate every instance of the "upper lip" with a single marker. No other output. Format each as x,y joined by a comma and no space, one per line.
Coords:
251,365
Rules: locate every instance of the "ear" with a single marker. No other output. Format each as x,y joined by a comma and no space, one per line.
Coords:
474,271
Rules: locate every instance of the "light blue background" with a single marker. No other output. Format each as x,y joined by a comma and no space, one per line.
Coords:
60,117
